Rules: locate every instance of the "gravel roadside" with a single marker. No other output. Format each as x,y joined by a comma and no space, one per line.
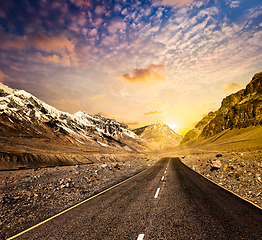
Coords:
30,196
239,172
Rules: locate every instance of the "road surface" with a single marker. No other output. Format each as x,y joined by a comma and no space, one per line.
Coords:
167,201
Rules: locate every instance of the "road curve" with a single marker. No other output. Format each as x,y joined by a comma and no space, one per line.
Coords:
167,201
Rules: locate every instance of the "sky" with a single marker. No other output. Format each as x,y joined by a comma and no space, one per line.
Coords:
136,61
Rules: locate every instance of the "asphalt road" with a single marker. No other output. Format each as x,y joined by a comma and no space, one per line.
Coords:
167,201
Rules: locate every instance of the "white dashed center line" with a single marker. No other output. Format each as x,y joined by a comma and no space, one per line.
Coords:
157,192
162,178
165,172
140,236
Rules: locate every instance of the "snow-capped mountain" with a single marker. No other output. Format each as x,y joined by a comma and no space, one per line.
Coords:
24,115
158,136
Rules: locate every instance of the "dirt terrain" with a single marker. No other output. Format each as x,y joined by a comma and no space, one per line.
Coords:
237,171
32,195
26,152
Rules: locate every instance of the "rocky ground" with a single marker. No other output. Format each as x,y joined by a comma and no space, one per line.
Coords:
239,172
32,195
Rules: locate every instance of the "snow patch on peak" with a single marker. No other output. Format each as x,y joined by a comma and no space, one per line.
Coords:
23,93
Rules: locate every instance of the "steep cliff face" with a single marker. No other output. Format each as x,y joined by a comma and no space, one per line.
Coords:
239,110
158,136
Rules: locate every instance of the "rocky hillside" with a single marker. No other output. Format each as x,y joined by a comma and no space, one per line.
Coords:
24,117
196,131
239,110
158,136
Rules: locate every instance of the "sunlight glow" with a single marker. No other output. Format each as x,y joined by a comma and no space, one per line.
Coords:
173,126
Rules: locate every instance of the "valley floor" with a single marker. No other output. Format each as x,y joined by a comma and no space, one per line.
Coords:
32,195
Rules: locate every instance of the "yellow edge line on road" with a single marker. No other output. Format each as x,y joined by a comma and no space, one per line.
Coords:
225,188
27,230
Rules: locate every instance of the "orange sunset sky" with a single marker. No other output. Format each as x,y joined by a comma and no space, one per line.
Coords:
135,61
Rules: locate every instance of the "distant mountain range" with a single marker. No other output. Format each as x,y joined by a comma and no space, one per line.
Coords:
240,110
23,115
158,136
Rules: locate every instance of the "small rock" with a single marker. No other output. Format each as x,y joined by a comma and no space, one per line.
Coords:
257,175
29,194
239,174
216,164
219,155
84,191
69,180
225,167
242,164
116,165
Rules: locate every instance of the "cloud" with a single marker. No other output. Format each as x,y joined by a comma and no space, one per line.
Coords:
152,73
104,114
233,4
132,123
92,32
64,60
17,42
82,3
152,112
41,42
99,96
55,44
178,3
118,24
2,76
99,10
15,68
233,87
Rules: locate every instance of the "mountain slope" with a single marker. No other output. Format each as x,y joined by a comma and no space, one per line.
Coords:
24,116
158,136
239,110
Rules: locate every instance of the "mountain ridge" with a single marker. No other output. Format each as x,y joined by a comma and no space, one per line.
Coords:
238,110
32,131
158,136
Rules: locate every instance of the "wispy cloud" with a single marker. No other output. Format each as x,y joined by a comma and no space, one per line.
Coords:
2,76
15,68
132,123
104,114
99,96
152,112
41,42
64,60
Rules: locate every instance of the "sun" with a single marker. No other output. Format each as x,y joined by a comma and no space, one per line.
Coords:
172,125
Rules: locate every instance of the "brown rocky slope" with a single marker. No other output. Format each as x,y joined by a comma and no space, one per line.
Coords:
239,110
